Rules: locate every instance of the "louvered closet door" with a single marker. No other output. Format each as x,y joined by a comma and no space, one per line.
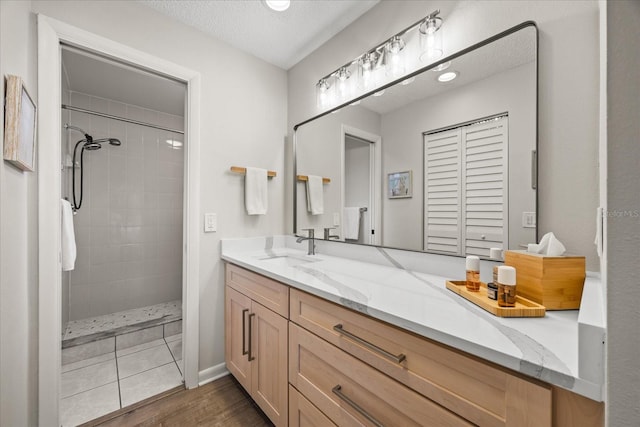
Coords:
484,186
442,193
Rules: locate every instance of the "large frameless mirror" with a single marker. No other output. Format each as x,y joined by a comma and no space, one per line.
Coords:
429,165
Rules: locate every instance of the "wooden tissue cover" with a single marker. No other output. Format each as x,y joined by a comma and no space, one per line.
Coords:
555,282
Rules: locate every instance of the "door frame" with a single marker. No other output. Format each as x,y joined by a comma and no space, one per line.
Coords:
51,33
375,178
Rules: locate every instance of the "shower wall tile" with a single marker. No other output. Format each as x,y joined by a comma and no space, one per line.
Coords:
129,231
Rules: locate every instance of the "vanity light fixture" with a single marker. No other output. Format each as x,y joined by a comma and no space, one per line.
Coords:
448,76
278,5
383,63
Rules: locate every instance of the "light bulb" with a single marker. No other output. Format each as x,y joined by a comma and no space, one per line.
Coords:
395,64
342,81
278,5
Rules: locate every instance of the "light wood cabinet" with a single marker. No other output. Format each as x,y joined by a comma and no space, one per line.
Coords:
256,346
302,413
480,392
348,369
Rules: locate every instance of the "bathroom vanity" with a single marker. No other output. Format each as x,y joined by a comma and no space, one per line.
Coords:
357,335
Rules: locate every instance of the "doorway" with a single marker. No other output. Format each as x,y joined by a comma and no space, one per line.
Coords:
52,35
361,185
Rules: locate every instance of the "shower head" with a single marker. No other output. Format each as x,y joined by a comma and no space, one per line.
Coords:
112,141
91,146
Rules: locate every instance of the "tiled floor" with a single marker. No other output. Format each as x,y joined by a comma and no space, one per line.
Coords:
96,386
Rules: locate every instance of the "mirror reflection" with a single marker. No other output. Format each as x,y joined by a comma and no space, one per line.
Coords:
443,162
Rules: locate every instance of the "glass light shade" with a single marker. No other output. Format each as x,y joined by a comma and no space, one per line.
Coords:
367,71
324,94
394,58
344,85
430,39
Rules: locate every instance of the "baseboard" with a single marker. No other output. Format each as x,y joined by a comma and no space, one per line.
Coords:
213,373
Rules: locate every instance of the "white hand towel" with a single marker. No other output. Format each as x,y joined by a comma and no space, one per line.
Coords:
315,201
68,237
351,223
255,191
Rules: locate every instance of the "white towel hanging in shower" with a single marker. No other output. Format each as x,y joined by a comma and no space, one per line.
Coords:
68,237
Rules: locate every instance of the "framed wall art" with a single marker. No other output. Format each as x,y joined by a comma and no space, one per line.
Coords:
19,125
400,185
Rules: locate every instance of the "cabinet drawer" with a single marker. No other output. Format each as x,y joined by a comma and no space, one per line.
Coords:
269,293
352,393
302,413
481,393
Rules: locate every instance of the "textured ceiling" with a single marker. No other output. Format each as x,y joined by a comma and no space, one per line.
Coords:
280,38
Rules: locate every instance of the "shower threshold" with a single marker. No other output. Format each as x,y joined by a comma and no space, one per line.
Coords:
110,325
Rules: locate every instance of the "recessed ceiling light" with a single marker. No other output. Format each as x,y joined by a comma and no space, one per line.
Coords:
278,5
379,93
442,66
448,76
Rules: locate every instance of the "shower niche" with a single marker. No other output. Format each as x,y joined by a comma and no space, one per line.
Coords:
123,166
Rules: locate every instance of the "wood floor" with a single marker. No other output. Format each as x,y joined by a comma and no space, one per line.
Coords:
220,403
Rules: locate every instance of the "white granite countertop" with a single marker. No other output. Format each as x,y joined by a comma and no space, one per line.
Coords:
379,283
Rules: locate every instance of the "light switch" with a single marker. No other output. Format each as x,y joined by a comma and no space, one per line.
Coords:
528,219
336,219
210,222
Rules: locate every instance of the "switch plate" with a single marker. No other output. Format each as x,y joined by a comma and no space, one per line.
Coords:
210,223
336,219
528,219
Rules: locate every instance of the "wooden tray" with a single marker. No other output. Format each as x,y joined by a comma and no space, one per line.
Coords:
523,308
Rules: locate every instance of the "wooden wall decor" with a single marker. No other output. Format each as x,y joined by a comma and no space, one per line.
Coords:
19,125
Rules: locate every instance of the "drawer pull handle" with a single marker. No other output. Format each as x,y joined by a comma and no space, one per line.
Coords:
250,357
398,359
244,328
337,390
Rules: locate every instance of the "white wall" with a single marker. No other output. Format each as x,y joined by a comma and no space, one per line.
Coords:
243,106
568,92
402,148
18,242
129,227
623,221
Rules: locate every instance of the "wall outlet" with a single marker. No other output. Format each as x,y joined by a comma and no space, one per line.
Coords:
336,219
528,219
210,223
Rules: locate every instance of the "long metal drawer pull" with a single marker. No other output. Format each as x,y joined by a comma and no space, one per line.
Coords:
398,359
337,390
250,358
244,328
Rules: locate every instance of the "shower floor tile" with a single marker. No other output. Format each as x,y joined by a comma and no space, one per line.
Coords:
99,385
122,321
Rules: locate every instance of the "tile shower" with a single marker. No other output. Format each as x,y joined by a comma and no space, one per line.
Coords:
123,299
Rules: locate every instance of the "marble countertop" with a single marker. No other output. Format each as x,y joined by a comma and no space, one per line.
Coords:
378,283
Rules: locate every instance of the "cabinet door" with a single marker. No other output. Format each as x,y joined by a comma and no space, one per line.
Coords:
237,311
302,413
269,357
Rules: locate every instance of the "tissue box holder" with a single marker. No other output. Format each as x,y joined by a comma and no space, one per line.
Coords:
555,282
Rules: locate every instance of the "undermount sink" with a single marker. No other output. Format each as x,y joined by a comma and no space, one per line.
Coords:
286,260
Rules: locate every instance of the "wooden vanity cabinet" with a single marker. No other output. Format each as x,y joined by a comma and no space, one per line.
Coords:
256,339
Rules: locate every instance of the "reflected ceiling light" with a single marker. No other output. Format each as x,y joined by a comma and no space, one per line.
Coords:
355,103
381,64
409,81
442,66
448,76
278,5
430,31
176,145
379,93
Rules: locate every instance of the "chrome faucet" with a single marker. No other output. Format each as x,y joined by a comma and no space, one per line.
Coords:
328,235
311,239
